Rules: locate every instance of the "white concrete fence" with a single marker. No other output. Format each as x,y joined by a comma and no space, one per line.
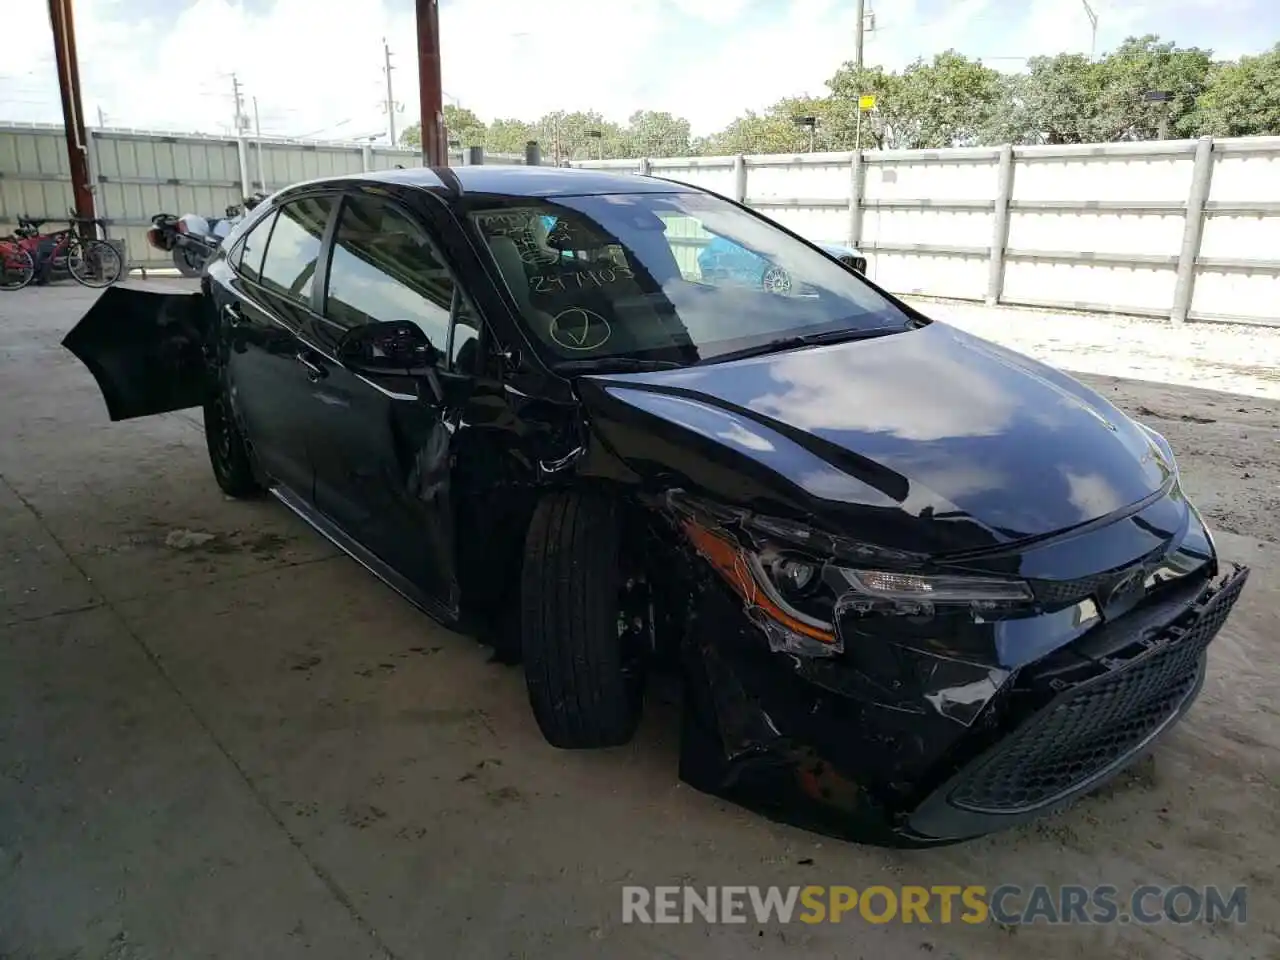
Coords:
1183,229
137,174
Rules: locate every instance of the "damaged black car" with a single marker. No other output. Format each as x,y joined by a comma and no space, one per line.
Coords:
917,587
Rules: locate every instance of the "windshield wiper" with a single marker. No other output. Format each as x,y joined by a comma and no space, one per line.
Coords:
804,340
614,365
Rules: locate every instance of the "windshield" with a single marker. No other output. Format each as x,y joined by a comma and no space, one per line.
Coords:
678,277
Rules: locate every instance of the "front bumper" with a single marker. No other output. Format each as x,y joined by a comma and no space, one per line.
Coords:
1101,720
827,750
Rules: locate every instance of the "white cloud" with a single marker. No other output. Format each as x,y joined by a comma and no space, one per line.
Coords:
315,65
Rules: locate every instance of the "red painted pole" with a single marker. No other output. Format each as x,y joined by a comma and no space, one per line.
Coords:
64,42
434,150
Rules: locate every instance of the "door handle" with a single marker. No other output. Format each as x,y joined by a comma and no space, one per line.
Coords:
315,371
232,312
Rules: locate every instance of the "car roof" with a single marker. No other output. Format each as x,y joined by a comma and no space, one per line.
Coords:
521,181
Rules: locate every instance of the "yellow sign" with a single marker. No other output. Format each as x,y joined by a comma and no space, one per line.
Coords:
867,101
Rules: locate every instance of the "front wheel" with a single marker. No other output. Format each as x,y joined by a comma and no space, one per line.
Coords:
16,267
585,623
94,263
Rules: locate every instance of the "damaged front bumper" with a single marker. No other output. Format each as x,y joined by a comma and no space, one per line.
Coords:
903,738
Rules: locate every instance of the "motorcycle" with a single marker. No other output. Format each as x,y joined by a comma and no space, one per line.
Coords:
192,238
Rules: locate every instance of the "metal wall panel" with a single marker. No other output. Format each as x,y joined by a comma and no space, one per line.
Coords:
1238,267
817,224
712,173
1096,225
1091,226
825,175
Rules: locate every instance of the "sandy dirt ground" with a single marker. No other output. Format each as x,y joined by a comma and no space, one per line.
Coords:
219,738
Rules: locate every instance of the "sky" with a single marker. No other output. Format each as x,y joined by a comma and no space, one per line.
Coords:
315,66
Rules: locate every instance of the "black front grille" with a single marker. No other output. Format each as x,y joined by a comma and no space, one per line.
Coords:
1062,592
1095,726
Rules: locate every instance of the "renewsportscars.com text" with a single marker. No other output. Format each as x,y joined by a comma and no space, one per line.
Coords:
1007,904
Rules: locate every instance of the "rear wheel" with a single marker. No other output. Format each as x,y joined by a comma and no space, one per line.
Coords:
16,267
94,263
188,262
228,449
585,623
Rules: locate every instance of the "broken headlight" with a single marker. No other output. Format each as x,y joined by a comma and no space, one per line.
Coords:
783,593
795,596
947,588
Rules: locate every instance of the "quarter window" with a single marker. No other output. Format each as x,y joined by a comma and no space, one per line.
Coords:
293,252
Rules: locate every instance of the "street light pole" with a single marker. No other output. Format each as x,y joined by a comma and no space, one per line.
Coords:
1093,29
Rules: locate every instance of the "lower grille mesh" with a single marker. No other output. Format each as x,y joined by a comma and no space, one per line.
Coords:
1092,728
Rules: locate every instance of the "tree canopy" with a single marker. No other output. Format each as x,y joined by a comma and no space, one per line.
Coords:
1144,87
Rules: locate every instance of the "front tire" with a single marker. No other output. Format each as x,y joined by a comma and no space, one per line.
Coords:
228,449
583,662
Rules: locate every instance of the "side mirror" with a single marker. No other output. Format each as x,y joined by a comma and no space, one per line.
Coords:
388,347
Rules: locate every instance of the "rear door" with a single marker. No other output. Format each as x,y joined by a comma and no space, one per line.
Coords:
272,370
145,349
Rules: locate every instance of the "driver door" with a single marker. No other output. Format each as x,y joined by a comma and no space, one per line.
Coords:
382,451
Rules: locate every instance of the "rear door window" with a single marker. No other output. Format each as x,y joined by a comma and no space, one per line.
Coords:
293,252
247,258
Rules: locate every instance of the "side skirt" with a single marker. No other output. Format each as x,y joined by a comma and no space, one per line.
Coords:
363,556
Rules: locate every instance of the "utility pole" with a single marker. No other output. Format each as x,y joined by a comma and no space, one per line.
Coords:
1093,29
64,43
257,135
859,33
435,152
102,117
391,100
238,100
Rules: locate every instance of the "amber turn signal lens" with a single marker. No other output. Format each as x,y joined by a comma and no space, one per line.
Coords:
733,564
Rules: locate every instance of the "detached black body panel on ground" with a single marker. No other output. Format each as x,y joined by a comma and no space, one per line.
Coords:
918,587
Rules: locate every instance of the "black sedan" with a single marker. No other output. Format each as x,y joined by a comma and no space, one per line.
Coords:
918,587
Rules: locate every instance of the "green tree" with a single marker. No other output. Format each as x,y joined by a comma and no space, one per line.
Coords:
774,131
847,86
460,125
1242,99
1142,65
951,101
508,136
571,136
1058,100
653,133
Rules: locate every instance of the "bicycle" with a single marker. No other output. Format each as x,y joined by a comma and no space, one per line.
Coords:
91,263
17,267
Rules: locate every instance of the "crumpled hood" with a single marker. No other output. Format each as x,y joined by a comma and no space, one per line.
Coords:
983,445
